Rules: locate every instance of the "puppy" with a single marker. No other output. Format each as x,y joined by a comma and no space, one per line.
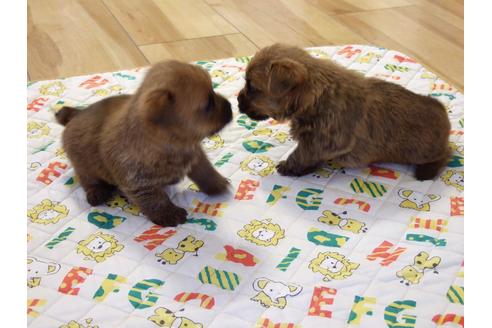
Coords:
337,114
140,143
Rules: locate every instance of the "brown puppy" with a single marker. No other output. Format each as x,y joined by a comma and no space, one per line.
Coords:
337,114
143,142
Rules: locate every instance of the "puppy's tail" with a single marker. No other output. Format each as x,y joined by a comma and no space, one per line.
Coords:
428,171
64,115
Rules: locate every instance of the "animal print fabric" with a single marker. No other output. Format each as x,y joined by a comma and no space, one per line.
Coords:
368,247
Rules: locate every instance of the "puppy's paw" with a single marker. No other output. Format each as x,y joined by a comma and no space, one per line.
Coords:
171,216
99,195
287,169
216,187
283,168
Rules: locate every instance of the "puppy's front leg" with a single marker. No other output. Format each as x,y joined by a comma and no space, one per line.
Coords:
206,177
156,205
302,161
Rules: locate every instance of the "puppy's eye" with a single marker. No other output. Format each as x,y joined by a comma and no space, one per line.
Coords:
250,87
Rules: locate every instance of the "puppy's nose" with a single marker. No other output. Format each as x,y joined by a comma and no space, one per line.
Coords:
240,101
228,110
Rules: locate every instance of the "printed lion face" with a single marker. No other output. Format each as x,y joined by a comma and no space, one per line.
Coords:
332,265
460,149
212,143
318,53
47,212
99,246
37,130
262,233
454,178
52,89
258,165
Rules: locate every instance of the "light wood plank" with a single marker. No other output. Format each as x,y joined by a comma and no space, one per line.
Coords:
76,37
289,21
378,4
155,21
435,23
393,29
216,47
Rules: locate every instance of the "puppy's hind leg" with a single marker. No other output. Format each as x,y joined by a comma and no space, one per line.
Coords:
206,176
428,171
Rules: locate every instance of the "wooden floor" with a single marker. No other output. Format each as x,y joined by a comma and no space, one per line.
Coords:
73,37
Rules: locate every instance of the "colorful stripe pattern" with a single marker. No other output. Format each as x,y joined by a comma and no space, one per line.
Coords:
286,261
372,189
430,224
457,206
383,251
309,199
220,278
213,209
61,237
441,320
224,159
153,238
363,206
456,294
394,318
136,294
206,301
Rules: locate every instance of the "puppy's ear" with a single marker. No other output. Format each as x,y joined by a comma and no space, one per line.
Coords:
156,106
285,74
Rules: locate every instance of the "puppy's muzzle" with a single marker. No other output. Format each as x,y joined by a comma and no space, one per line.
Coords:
245,108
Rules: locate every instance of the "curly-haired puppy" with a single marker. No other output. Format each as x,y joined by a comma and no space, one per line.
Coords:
337,114
140,143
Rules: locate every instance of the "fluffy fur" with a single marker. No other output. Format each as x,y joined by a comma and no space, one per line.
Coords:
337,114
140,143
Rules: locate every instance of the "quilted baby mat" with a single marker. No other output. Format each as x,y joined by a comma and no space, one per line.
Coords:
369,247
